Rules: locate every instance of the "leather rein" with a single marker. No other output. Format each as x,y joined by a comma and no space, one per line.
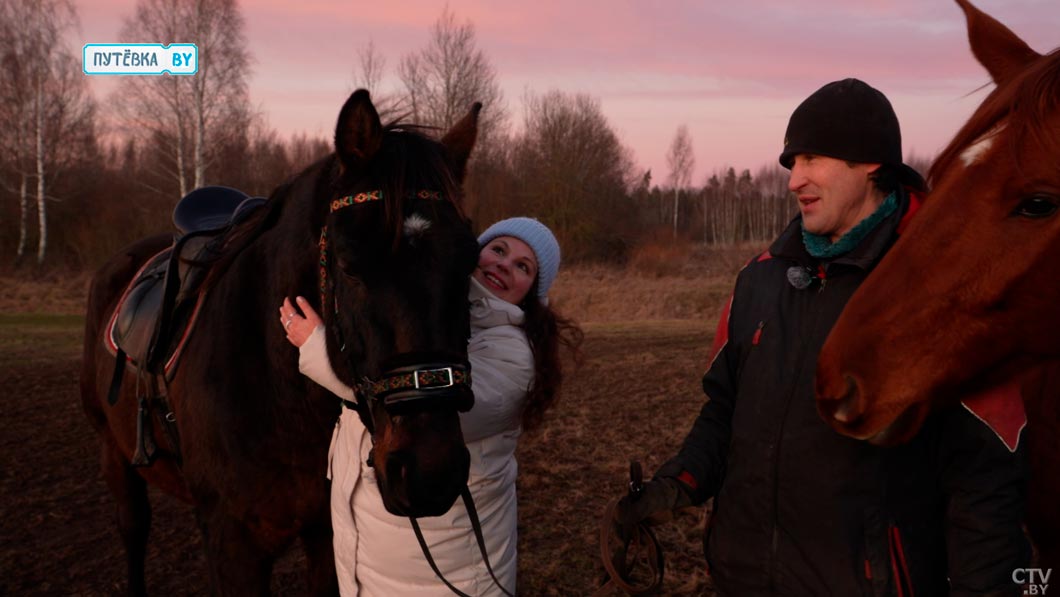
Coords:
619,557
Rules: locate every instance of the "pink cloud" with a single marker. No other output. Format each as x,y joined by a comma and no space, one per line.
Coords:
732,71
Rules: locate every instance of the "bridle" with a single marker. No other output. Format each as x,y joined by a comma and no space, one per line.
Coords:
357,199
401,387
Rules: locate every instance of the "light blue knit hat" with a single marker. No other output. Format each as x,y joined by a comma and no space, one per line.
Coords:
540,239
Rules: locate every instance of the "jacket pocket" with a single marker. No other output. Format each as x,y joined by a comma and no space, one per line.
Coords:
874,566
753,353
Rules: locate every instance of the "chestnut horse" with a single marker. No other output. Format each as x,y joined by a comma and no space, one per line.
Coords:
252,448
968,297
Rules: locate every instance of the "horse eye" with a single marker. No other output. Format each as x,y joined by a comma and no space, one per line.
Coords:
1038,206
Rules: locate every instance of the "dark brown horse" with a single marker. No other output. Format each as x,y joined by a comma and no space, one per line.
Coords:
969,295
253,433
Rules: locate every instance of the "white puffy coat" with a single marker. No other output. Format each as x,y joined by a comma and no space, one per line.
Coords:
376,553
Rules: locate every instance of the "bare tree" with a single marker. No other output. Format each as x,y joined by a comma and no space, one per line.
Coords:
722,193
15,110
572,171
46,109
371,69
775,205
681,161
445,78
187,117
303,150
372,66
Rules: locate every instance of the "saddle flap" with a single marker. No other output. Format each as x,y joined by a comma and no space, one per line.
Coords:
158,309
137,312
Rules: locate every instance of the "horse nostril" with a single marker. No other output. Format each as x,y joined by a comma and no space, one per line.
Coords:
848,407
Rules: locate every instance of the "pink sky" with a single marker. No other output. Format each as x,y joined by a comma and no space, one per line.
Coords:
732,71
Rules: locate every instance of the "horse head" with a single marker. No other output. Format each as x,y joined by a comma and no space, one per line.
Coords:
396,256
967,296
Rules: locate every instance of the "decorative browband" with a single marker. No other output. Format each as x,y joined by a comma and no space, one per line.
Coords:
357,199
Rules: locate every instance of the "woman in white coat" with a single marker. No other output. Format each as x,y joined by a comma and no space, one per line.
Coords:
514,355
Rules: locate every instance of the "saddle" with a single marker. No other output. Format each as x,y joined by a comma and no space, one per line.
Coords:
159,307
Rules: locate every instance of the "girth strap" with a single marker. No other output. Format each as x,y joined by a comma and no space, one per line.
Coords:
476,526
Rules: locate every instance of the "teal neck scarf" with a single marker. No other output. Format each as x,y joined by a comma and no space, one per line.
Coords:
820,247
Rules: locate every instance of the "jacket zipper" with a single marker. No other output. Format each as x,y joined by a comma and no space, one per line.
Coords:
775,541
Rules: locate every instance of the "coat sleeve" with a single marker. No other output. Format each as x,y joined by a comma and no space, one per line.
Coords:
985,483
502,368
701,462
313,363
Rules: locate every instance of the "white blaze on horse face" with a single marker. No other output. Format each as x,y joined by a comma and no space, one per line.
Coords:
975,152
416,225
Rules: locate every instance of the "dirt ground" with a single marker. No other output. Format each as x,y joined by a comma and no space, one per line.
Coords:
634,397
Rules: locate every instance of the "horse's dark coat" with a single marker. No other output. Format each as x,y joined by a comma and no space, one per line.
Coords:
254,432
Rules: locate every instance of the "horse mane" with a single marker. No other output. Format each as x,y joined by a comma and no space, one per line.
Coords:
403,143
1022,104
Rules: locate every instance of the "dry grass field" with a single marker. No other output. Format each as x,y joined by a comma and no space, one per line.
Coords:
648,331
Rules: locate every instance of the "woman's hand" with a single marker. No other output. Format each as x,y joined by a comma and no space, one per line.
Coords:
298,328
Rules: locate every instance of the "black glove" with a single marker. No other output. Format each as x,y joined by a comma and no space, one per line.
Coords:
654,504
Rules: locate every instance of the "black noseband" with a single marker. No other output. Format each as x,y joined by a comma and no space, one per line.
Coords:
406,386
400,390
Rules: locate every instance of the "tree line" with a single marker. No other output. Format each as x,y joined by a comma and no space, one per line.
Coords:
78,182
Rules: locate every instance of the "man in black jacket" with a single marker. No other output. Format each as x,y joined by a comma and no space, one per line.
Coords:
799,509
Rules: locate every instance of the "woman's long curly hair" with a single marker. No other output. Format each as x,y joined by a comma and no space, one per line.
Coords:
546,330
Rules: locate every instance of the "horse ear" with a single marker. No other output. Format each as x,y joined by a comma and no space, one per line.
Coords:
461,139
995,46
358,133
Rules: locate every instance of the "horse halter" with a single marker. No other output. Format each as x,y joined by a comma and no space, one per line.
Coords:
398,388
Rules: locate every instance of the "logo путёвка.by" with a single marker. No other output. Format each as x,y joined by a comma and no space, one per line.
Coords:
140,59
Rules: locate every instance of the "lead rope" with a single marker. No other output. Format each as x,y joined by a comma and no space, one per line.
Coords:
615,564
476,526
642,544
